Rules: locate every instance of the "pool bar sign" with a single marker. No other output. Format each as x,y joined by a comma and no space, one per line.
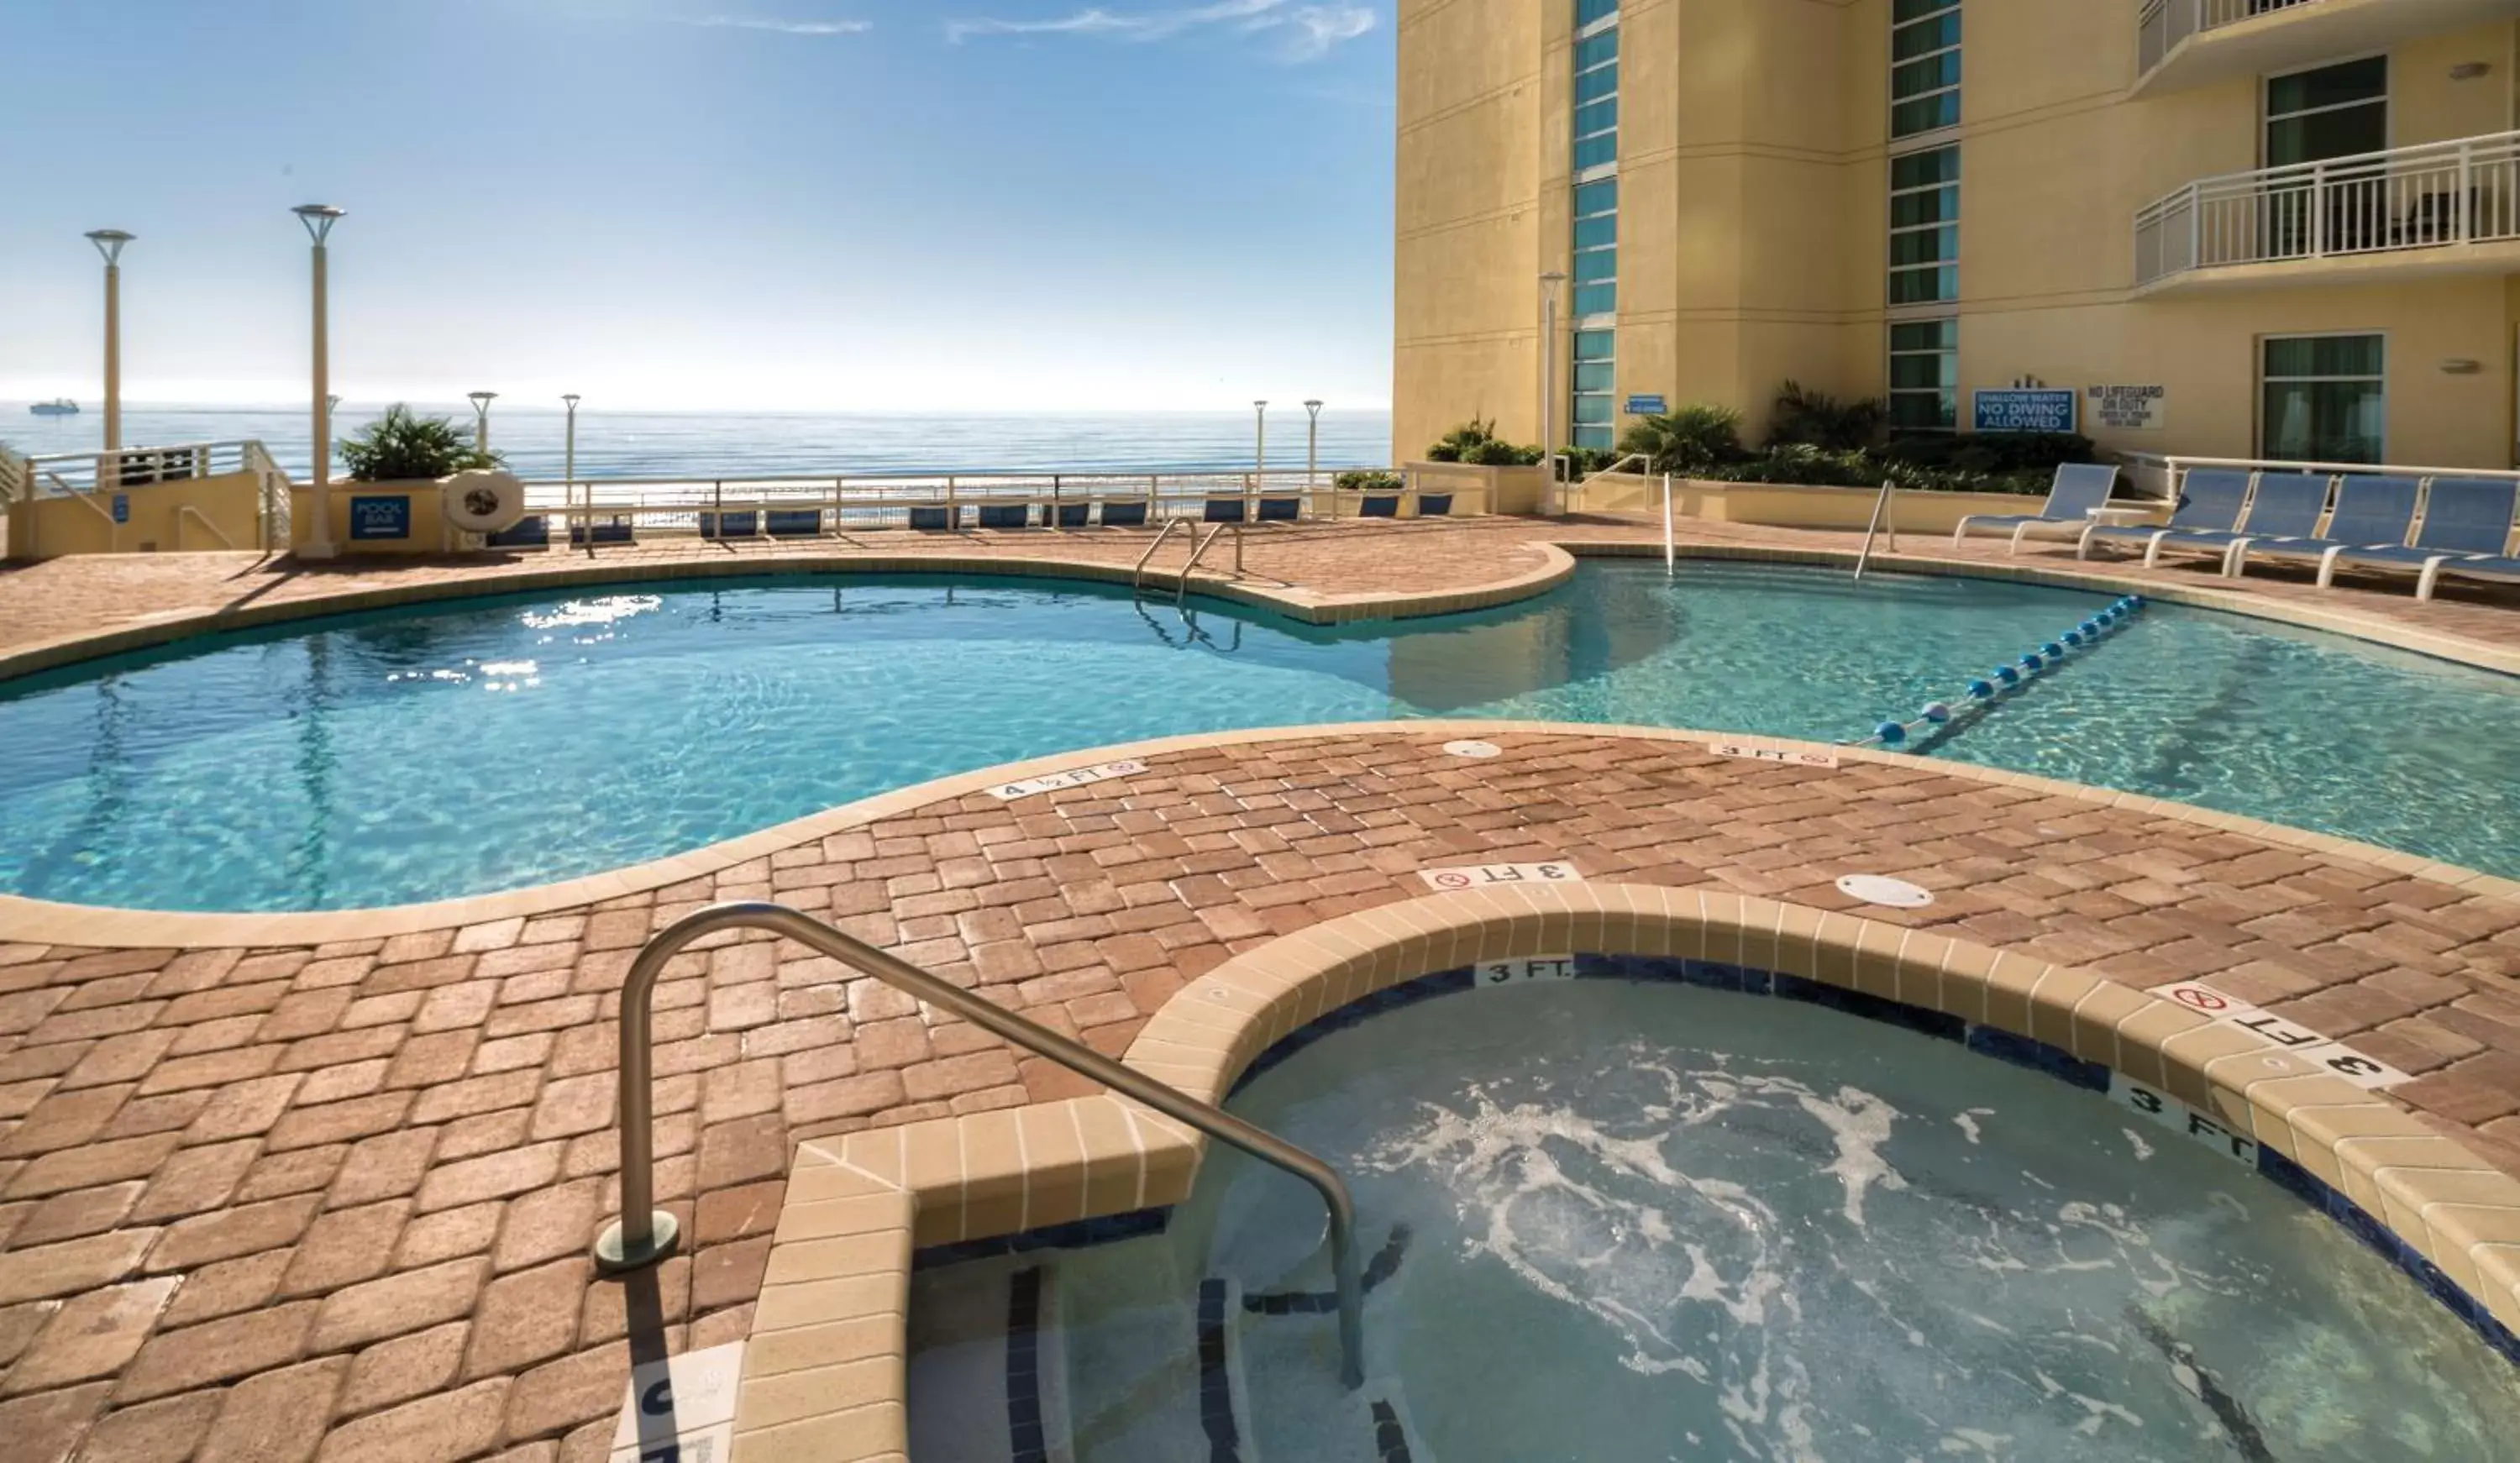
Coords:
379,517
1494,973
2031,411
1497,875
1083,777
2291,1037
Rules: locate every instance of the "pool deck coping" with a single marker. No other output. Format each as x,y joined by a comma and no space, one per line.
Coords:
825,1372
44,922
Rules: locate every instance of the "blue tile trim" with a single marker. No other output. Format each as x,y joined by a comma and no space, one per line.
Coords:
1215,1383
1025,1442
1080,1234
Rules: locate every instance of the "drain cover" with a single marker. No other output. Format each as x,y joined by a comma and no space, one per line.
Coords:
1473,749
1873,889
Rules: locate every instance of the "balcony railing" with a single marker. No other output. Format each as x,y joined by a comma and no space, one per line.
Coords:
2433,195
2163,23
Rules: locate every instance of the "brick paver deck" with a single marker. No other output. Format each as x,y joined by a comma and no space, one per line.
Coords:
336,1202
293,1202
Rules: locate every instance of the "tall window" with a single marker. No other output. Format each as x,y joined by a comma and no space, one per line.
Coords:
1924,65
1925,374
1597,221
1925,227
2326,399
2333,111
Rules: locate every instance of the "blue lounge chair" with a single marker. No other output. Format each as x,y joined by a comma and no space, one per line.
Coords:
726,525
2285,506
1005,516
1075,515
2210,499
2371,511
2467,531
532,531
1280,510
1434,504
615,532
1379,505
1223,510
2079,488
1130,514
796,522
936,518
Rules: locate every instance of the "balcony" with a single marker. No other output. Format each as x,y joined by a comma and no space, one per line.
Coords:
2444,207
2185,43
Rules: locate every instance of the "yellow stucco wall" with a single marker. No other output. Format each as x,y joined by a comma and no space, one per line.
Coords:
1753,234
53,527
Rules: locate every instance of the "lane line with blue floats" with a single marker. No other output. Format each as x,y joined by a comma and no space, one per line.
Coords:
1936,717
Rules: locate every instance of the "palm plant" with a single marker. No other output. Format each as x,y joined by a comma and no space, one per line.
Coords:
1689,440
402,446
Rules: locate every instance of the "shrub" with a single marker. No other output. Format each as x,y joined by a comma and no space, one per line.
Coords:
1815,418
1993,453
1475,442
399,447
1691,440
1584,462
1367,480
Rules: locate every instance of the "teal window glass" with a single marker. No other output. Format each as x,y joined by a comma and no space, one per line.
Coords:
1924,227
1597,50
1596,233
1593,151
1595,265
1595,345
1600,116
1594,375
1924,67
1596,299
2325,399
1596,198
1588,11
1925,374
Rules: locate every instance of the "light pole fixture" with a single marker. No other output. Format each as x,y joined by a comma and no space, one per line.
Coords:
109,242
319,219
1549,286
1260,443
569,466
1313,446
481,417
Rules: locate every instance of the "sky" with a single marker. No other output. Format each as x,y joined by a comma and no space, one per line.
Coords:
974,205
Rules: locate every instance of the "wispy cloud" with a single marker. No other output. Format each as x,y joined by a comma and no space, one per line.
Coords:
780,27
1302,32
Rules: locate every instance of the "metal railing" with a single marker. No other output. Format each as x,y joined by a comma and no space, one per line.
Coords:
1882,515
1138,574
646,1234
2164,26
2429,196
63,473
1574,495
1181,586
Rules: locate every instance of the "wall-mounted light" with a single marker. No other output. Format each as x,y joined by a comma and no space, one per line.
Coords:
2462,366
2469,70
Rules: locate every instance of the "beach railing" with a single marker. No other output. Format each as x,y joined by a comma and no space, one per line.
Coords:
58,473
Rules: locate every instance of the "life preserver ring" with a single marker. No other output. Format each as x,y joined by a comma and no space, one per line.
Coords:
485,500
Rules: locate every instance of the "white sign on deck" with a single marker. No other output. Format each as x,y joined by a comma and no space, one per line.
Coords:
681,1410
2291,1037
1523,972
2169,1112
1889,893
1083,777
2127,409
1493,876
1478,749
1788,756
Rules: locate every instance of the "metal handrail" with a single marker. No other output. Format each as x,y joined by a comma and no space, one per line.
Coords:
1181,586
1574,492
1880,511
1138,575
646,1234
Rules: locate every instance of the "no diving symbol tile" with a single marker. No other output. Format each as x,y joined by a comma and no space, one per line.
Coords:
2333,1057
682,1409
1491,875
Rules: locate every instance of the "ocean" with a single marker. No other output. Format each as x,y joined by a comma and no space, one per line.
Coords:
727,444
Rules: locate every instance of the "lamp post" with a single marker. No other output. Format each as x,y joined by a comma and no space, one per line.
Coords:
1549,283
1313,446
109,242
569,468
1260,443
319,219
481,417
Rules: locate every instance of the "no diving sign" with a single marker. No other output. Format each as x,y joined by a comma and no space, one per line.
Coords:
2292,1038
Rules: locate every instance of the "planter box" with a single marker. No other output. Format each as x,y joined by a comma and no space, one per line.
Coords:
376,518
1792,506
1481,489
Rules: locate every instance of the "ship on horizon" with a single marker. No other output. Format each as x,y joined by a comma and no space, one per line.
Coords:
59,406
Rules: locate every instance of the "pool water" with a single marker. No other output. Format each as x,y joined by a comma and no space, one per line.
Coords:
488,744
1649,1221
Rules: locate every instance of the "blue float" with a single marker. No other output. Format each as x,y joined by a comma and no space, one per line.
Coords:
2032,662
1891,734
2052,650
2008,675
1936,712
2074,638
1981,688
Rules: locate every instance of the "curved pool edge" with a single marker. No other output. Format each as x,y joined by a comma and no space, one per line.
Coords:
1308,607
46,922
886,1192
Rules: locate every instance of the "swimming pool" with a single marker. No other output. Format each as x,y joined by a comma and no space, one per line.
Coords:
1629,1221
487,744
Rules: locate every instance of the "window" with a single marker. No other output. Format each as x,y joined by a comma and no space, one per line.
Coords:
1925,227
1596,268
2326,399
1924,65
1925,374
2334,111
1596,367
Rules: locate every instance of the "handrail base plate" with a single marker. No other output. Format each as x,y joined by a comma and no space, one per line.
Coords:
611,1256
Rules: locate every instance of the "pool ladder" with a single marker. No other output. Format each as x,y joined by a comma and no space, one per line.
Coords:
646,1234
1198,550
1884,519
